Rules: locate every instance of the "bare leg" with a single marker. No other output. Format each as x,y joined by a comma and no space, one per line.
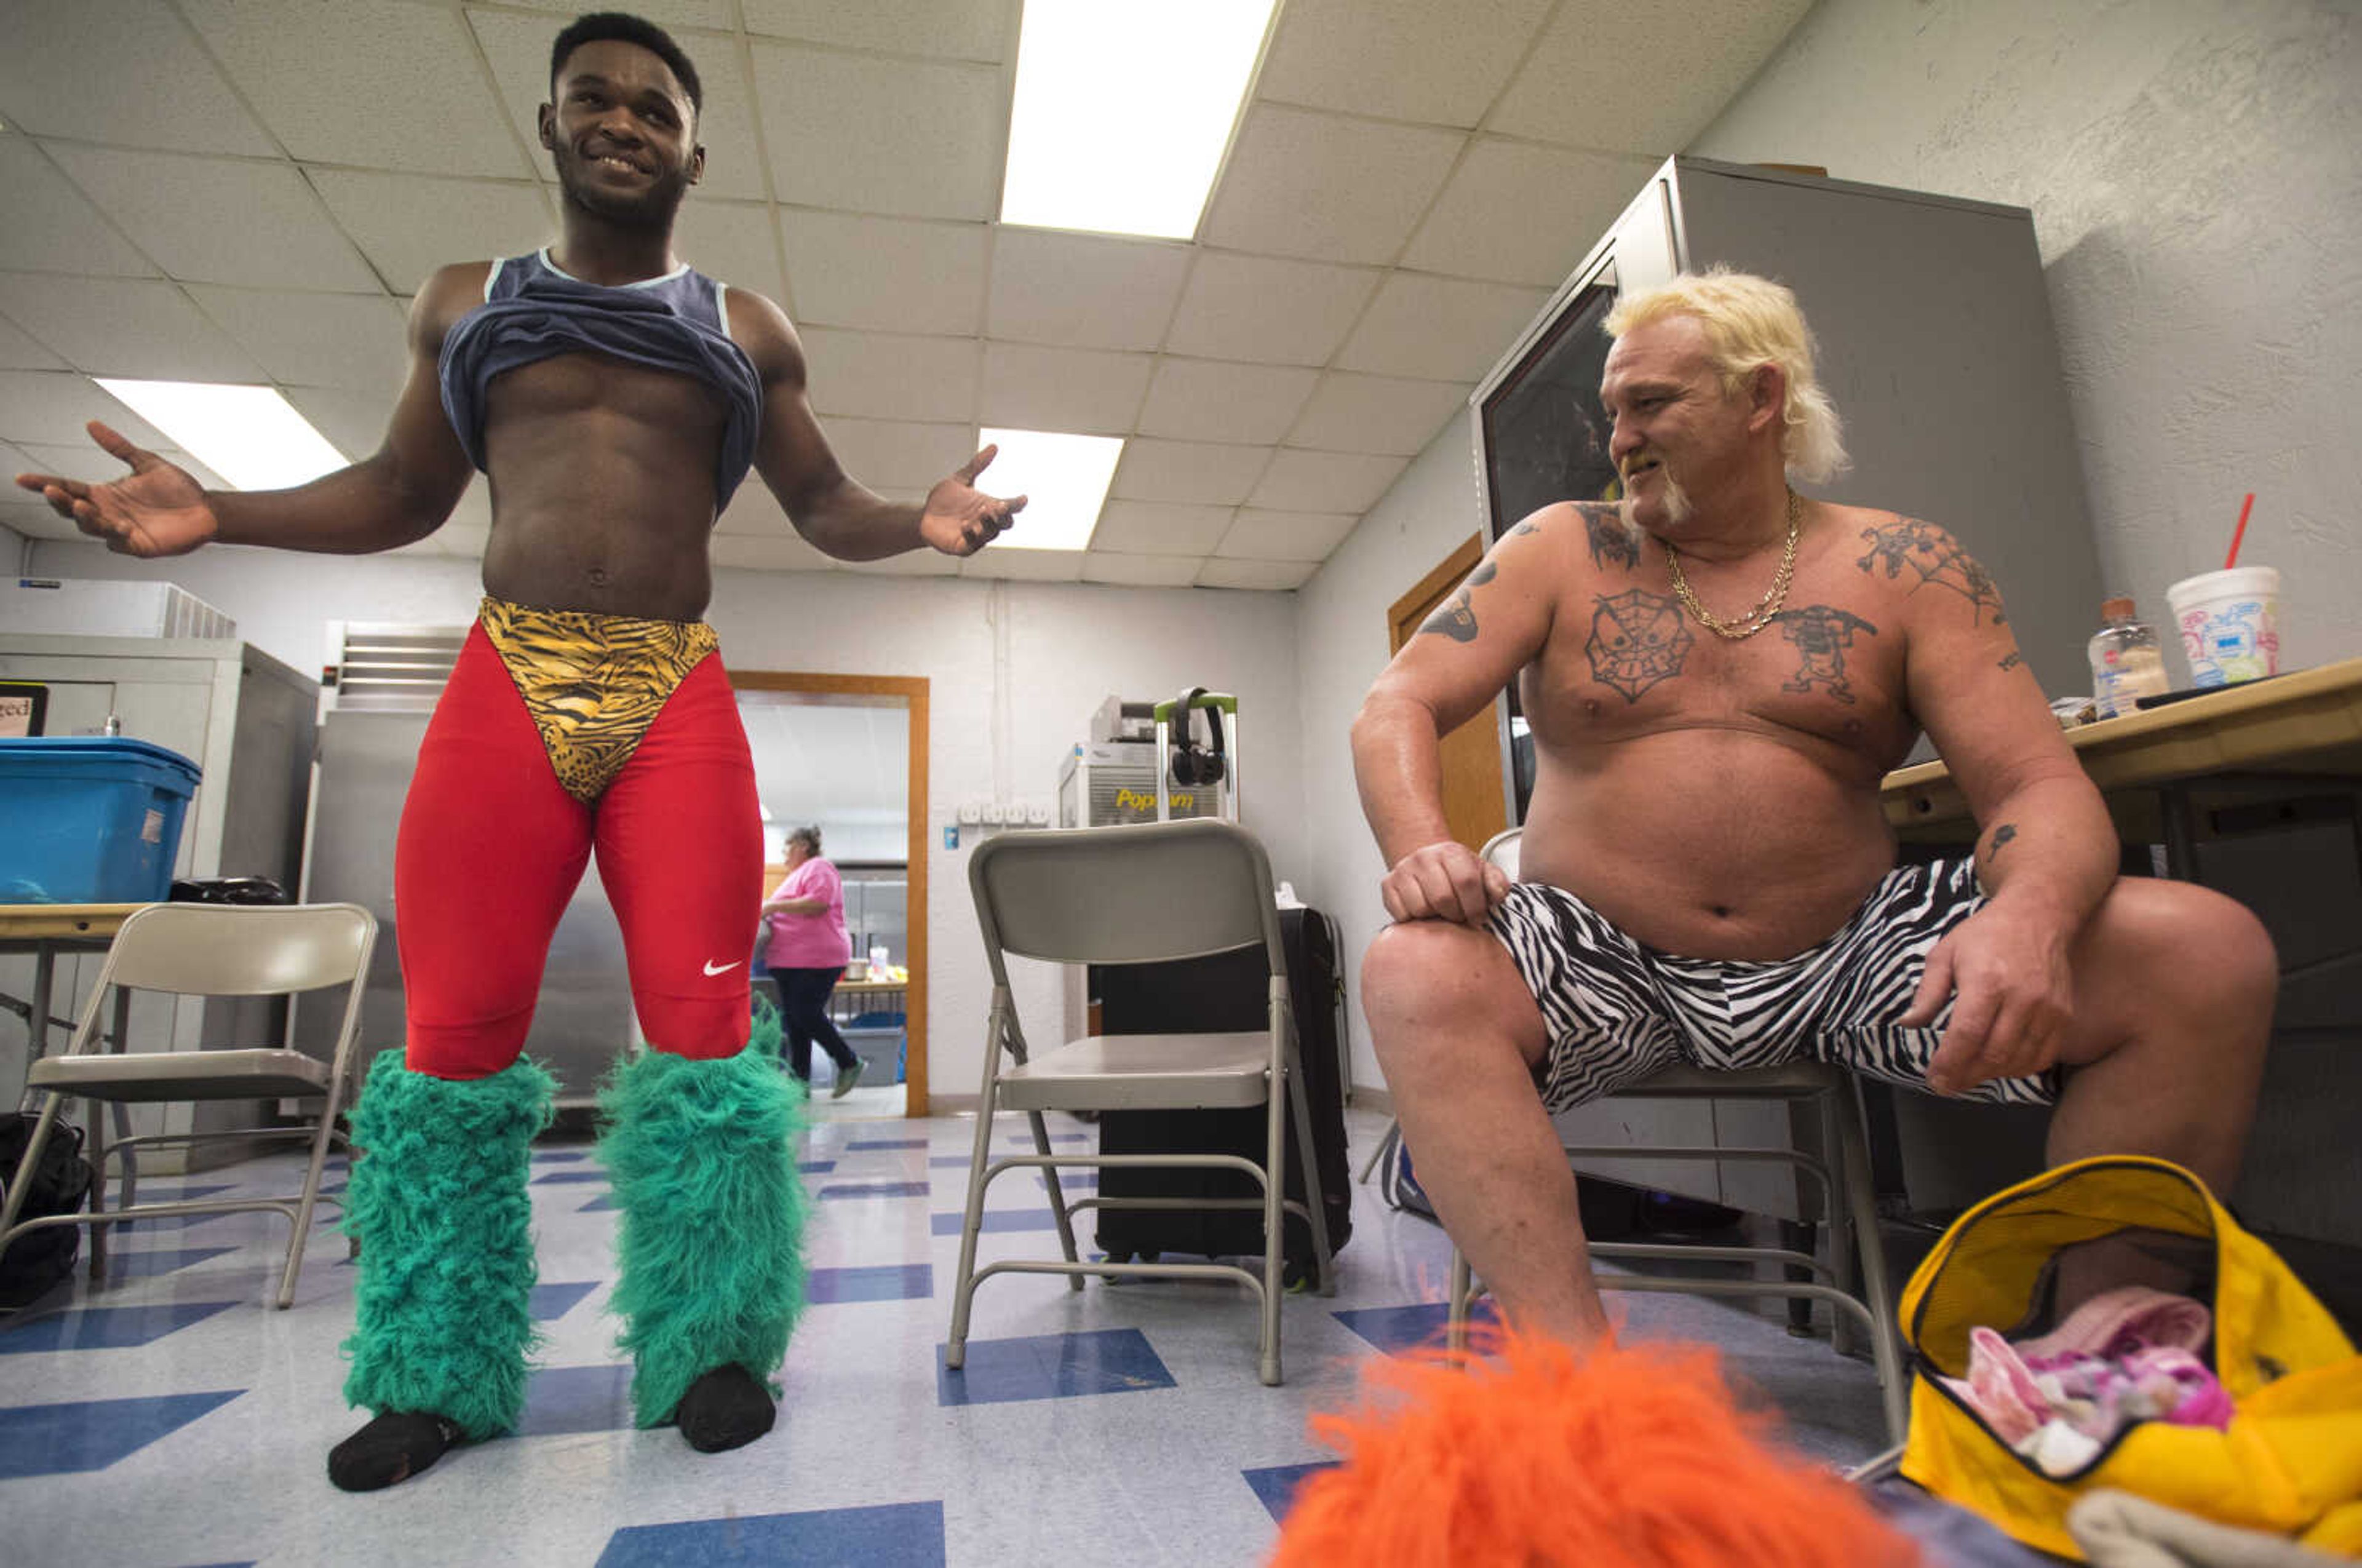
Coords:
2174,987
1457,1034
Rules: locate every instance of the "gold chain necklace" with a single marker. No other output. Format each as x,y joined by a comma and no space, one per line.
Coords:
1767,609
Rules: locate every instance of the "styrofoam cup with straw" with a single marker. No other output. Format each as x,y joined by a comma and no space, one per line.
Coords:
2229,619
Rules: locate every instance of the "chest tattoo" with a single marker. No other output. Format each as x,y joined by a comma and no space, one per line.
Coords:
1822,633
1637,639
1934,557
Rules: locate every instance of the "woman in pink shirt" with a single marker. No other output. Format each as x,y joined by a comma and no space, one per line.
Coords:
806,955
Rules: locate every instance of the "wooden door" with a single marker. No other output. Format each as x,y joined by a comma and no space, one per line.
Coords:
1474,804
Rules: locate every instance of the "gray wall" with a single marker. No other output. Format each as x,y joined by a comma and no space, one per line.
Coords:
2194,168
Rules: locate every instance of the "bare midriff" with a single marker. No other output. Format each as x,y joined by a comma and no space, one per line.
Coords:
602,476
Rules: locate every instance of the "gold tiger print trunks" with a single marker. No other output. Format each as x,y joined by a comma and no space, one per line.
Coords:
592,683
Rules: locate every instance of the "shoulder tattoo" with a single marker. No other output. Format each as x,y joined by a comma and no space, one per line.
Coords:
1637,639
1612,541
1822,633
1456,617
1932,556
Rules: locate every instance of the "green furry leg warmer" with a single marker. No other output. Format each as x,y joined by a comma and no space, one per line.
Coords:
437,1201
711,1255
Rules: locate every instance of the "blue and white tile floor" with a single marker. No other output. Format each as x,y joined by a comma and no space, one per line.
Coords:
168,1416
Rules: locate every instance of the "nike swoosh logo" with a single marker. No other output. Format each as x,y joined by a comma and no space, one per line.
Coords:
713,968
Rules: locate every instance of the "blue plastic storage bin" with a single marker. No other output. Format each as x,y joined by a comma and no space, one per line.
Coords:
90,820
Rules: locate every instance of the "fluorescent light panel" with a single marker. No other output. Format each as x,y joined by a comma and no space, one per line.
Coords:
1064,478
1123,108
251,436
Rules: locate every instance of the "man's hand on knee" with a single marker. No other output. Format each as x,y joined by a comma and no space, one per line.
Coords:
1443,882
2015,999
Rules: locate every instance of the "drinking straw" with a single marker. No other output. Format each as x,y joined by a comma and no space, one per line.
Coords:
2239,533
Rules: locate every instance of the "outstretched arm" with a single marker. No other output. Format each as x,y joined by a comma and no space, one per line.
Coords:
827,505
400,493
2047,852
1458,661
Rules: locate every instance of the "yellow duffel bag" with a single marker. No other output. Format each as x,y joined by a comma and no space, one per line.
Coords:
2290,1460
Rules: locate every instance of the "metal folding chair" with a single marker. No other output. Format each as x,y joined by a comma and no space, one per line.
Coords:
1131,895
207,950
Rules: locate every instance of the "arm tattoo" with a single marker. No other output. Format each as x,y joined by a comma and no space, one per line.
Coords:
1613,543
1457,618
2012,659
1526,525
1637,638
1822,633
2000,836
1934,557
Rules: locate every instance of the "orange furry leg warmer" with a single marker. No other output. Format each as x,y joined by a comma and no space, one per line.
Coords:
1537,1454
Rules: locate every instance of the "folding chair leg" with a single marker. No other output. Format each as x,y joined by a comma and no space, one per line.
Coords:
98,1187
1274,1229
17,1181
1852,1178
304,1208
1463,1285
972,1215
1386,1141
1314,1199
1057,1198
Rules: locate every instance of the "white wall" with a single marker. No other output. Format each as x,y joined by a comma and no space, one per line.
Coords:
1342,633
2194,168
1015,671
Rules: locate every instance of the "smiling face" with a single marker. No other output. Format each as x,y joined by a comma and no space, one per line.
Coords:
1677,434
623,135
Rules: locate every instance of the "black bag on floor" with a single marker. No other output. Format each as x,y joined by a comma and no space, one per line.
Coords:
59,1185
1227,991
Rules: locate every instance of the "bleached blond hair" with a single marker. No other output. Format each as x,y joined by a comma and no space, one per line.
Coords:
1751,322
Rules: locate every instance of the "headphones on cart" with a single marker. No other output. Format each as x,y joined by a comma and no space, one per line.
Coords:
1194,765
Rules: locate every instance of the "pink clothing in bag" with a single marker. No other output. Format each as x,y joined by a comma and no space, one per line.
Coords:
809,941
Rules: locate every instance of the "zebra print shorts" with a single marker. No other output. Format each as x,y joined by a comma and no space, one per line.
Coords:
1616,1011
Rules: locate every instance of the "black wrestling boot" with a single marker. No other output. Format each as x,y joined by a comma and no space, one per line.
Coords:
394,1447
727,1407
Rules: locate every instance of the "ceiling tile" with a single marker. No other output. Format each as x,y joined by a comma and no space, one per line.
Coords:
1083,291
1161,528
84,459
1301,183
894,274
666,13
879,375
375,86
1216,400
948,29
1141,571
517,48
891,454
1325,481
460,541
1376,414
218,220
19,352
1269,310
50,407
1564,201
353,419
51,226
326,340
910,563
1439,329
918,138
124,72
1400,59
1220,573
1285,536
1025,566
408,224
733,241
36,523
118,326
1082,390
1562,96
1188,471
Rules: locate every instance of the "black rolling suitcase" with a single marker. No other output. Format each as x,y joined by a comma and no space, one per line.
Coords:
1226,992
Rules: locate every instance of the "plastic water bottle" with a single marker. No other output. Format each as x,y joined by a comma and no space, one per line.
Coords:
2126,663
